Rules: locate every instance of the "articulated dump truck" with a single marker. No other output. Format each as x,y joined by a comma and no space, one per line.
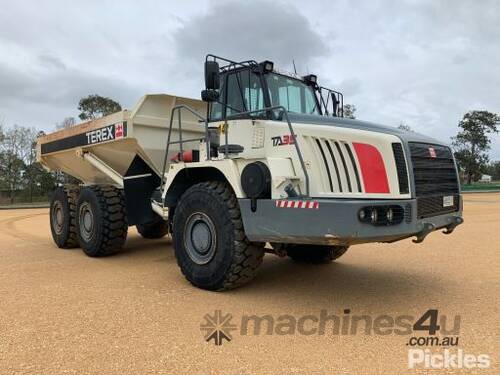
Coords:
265,162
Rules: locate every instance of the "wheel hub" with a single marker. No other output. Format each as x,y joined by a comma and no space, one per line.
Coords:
57,217
86,220
200,238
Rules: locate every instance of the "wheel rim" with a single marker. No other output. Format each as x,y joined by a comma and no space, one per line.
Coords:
86,221
200,238
57,217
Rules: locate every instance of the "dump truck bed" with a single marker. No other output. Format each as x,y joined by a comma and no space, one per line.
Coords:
118,138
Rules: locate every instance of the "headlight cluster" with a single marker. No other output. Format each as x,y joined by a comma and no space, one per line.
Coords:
381,215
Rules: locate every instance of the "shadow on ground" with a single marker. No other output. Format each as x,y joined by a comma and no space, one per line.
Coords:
283,281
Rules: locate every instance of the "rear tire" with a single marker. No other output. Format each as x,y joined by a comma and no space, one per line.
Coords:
101,220
154,229
211,248
315,254
63,217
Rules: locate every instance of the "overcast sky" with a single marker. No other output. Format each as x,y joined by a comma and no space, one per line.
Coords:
424,63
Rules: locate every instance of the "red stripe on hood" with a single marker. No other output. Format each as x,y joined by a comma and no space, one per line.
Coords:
372,168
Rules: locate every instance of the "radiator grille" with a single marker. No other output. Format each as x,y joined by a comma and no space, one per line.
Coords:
435,178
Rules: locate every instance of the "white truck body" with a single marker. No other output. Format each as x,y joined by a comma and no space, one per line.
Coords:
286,178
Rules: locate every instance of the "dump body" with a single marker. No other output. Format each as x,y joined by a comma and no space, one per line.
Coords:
117,139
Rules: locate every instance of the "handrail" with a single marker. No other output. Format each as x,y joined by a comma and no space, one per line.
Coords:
178,108
236,116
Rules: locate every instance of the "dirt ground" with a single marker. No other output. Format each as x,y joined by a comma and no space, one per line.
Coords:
134,313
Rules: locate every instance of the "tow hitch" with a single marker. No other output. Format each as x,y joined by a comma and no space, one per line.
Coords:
450,228
429,227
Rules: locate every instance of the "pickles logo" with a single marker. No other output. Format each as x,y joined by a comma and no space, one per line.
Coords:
447,359
218,327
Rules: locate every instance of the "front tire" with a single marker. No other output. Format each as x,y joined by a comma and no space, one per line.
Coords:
211,248
63,217
315,254
101,220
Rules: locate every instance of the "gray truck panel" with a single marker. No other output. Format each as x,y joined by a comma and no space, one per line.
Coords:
334,222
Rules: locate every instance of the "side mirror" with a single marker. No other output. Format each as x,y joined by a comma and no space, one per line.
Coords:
212,80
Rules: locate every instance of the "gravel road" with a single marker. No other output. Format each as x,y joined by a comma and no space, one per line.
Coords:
134,313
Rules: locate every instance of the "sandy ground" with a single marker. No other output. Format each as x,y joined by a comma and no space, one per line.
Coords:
134,313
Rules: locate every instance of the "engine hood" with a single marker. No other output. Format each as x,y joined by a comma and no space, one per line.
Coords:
405,136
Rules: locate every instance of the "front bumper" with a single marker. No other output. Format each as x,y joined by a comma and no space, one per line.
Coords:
336,222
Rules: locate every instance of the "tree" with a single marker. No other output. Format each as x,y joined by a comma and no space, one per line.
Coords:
12,168
349,111
20,172
94,106
2,124
16,151
32,169
39,181
472,142
493,169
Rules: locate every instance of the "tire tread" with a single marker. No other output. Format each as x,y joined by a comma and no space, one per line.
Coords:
247,256
72,193
111,202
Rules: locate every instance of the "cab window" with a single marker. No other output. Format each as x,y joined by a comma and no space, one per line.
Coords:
244,92
292,94
217,109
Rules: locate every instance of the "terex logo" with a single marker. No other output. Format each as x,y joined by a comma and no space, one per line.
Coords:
100,135
283,140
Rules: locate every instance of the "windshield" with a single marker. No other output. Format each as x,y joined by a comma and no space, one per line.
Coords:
292,94
242,91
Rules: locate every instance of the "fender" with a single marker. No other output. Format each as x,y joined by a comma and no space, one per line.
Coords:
179,176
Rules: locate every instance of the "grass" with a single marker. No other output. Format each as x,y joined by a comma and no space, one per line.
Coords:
4,201
495,185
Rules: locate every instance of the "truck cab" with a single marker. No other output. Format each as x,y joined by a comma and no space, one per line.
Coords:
329,180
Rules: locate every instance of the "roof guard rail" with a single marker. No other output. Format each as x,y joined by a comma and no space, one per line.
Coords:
336,103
